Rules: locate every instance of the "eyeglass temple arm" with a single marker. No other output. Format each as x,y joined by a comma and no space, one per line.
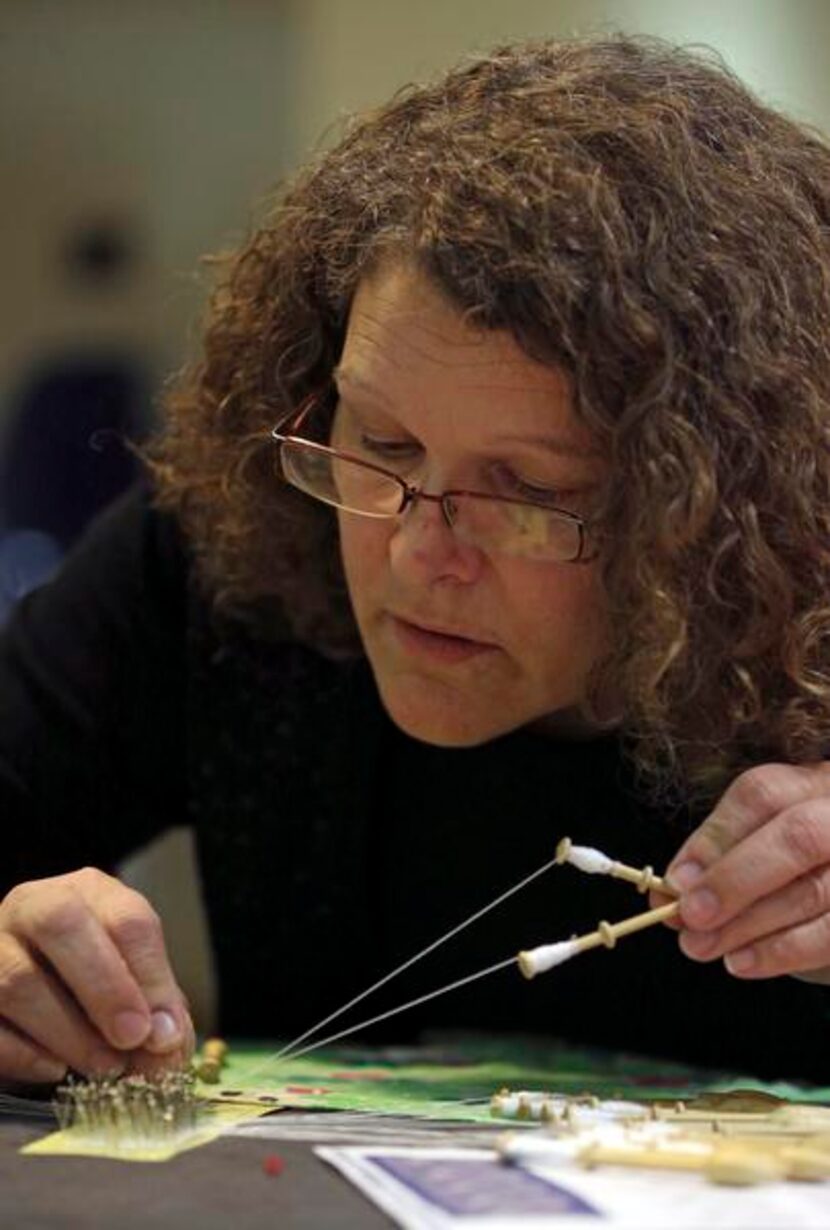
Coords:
294,417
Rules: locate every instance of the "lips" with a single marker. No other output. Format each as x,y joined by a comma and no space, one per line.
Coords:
437,641
459,634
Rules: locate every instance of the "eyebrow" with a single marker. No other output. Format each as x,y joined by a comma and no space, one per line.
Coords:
552,443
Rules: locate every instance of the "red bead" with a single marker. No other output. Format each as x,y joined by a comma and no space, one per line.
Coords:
273,1164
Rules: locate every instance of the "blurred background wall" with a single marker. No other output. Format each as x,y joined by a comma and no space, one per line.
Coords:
137,135
143,132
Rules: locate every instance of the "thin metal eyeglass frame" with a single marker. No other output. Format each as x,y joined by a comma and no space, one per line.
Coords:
409,494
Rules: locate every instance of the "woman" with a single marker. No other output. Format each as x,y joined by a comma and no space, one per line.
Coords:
496,509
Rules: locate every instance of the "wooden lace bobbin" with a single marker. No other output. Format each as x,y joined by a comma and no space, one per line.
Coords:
216,1048
546,956
735,1164
749,1113
805,1162
594,862
209,1064
537,1106
525,1107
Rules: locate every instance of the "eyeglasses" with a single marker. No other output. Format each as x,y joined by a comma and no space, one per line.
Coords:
338,477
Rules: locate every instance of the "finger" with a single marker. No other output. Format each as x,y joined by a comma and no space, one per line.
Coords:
796,950
23,1060
189,1044
751,800
137,932
33,1004
61,926
656,900
147,1061
149,1064
800,901
787,848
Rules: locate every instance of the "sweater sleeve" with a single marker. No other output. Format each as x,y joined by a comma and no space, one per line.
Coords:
92,682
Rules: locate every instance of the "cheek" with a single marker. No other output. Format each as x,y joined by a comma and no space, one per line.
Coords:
364,552
558,619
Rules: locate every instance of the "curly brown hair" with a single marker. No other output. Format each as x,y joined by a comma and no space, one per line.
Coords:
632,214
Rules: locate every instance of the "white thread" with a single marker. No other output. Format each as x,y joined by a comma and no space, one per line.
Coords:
288,1050
422,999
586,858
546,956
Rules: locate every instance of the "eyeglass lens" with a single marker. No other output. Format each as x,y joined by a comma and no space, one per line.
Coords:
499,525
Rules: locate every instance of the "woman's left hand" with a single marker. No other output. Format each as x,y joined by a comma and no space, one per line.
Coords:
754,878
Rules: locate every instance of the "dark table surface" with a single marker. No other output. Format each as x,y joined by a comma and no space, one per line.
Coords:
221,1184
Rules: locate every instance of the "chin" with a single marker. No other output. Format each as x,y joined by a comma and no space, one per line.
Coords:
446,722
441,734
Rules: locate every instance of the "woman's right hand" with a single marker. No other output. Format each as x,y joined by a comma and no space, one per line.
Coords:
85,982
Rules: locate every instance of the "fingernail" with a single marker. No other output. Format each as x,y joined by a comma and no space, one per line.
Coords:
48,1071
700,906
129,1029
165,1032
740,961
684,876
699,944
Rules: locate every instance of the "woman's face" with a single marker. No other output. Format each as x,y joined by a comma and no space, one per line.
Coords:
464,645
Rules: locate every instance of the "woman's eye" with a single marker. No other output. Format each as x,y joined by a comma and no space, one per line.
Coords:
388,449
510,483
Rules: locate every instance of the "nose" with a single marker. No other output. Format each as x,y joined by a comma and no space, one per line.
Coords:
424,548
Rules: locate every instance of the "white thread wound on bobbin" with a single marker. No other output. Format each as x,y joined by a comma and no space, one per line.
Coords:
546,956
586,858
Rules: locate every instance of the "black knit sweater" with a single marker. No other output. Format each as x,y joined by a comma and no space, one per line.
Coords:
331,845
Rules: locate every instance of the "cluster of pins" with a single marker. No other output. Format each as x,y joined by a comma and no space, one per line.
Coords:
126,1112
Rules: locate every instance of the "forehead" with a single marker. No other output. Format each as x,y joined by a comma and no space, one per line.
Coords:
407,345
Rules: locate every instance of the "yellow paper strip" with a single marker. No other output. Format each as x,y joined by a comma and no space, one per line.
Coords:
217,1119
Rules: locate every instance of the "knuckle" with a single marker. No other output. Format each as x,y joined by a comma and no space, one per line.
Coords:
54,905
780,952
90,878
135,925
21,894
55,915
814,894
18,979
762,789
805,834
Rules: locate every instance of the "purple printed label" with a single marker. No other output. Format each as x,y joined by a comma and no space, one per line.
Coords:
478,1187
